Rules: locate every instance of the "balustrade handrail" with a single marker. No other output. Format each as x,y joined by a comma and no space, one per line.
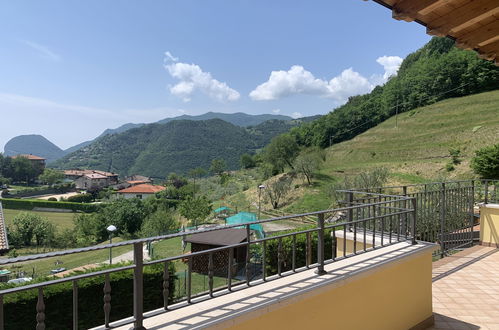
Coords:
394,217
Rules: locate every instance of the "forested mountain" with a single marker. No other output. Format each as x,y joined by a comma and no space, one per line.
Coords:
33,144
435,72
177,146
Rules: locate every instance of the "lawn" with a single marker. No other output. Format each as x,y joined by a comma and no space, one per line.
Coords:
43,267
62,220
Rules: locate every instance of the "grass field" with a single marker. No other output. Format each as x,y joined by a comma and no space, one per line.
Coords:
61,220
417,143
43,267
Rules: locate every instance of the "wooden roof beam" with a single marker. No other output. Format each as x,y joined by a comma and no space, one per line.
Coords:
462,17
407,10
481,35
489,52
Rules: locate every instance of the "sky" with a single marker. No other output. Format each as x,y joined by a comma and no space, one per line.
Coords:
70,69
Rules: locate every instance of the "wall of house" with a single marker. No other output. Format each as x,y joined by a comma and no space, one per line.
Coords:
359,246
396,296
140,196
489,225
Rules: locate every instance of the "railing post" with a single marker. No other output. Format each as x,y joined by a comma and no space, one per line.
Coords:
320,245
1,312
350,211
442,220
138,287
472,211
486,188
414,219
40,311
248,255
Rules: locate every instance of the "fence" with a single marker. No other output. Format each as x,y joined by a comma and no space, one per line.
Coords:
445,210
376,220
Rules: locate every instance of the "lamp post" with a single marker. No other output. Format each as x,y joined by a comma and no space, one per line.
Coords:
111,229
260,187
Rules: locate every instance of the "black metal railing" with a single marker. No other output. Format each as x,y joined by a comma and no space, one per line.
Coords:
373,220
446,210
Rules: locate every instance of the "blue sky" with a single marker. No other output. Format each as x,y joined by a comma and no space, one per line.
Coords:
70,69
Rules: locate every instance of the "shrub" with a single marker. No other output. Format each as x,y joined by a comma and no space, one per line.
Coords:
449,167
301,248
30,204
52,199
486,162
58,300
81,198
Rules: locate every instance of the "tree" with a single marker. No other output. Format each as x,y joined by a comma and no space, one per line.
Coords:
160,222
126,214
196,173
247,161
50,176
276,189
176,180
309,162
23,170
218,166
486,162
281,151
30,225
195,209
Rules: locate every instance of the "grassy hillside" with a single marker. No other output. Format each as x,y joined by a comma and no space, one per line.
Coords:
416,150
416,143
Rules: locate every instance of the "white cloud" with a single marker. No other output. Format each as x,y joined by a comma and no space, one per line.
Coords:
42,50
391,64
193,78
297,80
276,111
296,115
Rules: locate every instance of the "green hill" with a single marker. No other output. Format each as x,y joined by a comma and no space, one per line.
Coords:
33,144
418,142
177,146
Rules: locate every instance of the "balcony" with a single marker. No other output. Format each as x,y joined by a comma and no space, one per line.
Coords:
367,264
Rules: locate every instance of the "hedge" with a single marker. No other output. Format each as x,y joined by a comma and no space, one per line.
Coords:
30,204
20,308
287,250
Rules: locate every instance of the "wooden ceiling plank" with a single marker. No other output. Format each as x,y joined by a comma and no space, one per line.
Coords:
463,17
407,10
493,47
482,34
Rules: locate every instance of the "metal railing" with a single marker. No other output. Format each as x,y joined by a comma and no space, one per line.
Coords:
446,212
375,220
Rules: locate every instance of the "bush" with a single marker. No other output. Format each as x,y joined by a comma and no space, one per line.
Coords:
52,199
81,198
30,204
449,167
58,300
301,248
486,162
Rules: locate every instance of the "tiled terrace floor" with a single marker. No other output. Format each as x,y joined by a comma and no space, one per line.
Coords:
466,290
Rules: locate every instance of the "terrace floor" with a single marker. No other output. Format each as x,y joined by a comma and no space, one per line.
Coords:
466,290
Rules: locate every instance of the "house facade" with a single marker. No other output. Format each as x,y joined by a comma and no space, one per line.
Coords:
91,179
140,191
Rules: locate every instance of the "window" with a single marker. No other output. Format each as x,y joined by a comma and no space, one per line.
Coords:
139,196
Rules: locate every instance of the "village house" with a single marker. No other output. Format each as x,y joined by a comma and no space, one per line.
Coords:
37,162
140,191
134,180
91,179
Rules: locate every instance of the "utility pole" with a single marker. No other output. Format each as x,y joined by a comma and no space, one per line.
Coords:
397,115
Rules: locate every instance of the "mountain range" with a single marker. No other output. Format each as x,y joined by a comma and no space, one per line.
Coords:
157,150
184,142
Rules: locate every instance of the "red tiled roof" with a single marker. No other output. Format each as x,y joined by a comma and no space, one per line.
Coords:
142,189
87,172
30,157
